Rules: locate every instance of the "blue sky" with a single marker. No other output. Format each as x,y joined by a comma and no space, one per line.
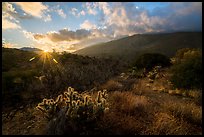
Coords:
70,26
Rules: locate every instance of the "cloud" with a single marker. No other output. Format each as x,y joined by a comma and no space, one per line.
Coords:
47,18
8,21
104,6
35,9
30,11
124,19
184,16
73,47
9,10
115,20
7,24
7,7
91,8
74,11
63,35
186,8
65,39
38,36
8,45
77,13
87,25
82,13
58,10
61,13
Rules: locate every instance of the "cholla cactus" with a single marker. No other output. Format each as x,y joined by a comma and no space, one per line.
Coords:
78,107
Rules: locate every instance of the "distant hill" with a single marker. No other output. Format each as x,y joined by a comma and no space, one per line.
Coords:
130,47
13,59
30,49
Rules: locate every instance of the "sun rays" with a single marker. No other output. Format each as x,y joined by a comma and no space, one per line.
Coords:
46,58
45,50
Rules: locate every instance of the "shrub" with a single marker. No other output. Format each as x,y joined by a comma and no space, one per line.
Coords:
137,73
112,85
154,73
187,72
165,124
129,103
77,109
189,112
186,53
149,60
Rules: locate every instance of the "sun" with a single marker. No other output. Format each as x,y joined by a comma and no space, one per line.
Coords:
45,51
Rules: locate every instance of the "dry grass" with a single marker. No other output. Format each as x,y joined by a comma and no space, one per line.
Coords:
25,122
129,103
126,115
165,124
189,112
148,110
112,85
195,95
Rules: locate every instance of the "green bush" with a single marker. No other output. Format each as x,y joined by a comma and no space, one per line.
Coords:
185,54
187,71
149,60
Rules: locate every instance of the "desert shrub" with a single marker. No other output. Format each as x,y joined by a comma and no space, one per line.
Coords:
154,73
112,85
13,83
129,103
74,110
189,112
187,71
137,73
149,60
81,72
165,124
18,78
186,53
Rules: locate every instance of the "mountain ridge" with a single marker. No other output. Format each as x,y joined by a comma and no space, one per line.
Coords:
30,49
164,43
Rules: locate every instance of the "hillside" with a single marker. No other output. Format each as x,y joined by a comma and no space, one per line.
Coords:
139,102
137,107
130,47
13,59
21,72
30,49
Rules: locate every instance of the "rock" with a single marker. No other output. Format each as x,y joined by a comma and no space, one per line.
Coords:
151,81
12,113
29,127
154,89
21,107
171,91
147,85
157,76
122,75
162,88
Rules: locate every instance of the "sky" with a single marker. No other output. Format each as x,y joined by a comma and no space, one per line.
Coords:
70,26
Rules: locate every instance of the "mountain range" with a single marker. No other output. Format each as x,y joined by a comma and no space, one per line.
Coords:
130,47
30,49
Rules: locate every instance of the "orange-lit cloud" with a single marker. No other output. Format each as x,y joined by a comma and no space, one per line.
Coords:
33,8
87,25
8,24
8,21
